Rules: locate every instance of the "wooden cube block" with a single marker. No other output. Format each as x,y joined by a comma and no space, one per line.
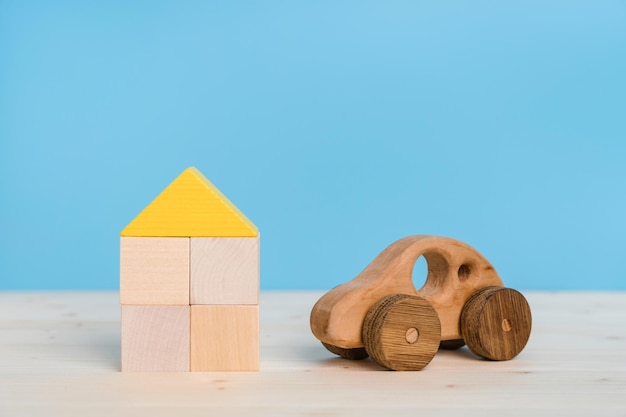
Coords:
155,338
224,338
224,270
154,271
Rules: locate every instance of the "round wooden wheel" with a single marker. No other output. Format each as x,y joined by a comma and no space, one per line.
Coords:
354,354
402,332
496,323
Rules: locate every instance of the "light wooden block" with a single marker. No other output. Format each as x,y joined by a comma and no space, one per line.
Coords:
224,270
191,206
155,338
154,271
225,338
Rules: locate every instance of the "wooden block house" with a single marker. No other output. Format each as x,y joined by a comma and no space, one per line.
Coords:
189,282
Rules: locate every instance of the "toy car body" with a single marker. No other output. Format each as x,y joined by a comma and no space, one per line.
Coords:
343,319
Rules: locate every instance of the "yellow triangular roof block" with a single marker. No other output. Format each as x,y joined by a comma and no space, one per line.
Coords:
191,206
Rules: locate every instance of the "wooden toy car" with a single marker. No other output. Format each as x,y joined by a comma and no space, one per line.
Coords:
381,314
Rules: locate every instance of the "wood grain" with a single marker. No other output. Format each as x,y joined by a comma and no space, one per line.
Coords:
225,271
455,272
496,323
224,338
155,338
154,271
60,357
402,332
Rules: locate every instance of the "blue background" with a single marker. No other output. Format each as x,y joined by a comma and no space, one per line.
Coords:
337,127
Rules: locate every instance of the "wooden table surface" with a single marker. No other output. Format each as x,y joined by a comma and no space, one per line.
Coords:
60,356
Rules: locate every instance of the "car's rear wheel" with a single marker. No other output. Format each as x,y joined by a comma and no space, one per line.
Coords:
496,323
